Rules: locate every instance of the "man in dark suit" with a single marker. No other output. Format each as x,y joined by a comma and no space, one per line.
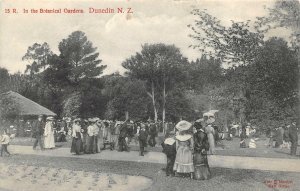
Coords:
123,134
38,131
143,134
152,133
293,135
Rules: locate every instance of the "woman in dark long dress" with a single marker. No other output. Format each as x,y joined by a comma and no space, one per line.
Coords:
201,146
243,137
77,144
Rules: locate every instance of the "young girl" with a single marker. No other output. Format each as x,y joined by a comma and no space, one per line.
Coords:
169,148
4,142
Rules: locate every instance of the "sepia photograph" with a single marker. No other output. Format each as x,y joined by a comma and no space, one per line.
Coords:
149,95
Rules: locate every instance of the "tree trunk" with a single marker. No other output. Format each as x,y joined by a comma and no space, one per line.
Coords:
152,96
164,107
226,121
298,101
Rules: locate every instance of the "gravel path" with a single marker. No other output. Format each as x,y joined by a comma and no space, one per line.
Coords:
235,162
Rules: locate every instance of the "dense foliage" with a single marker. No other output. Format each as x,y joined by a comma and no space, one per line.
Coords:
248,77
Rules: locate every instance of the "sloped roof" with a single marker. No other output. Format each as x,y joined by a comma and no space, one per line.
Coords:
27,106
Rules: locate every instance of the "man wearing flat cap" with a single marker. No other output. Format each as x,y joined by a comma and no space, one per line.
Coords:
38,132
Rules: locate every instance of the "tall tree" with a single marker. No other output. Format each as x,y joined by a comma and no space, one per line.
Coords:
277,73
38,56
74,75
4,79
236,45
205,72
125,96
160,66
285,13
80,55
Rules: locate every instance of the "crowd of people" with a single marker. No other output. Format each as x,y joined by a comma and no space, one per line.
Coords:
284,136
185,144
92,135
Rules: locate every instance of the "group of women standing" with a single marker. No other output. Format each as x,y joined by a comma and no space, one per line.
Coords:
193,143
85,140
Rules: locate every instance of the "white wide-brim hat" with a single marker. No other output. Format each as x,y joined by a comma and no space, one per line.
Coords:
92,120
183,137
210,120
77,119
183,125
50,118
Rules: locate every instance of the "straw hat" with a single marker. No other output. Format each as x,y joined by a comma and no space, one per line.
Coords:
96,118
169,141
210,120
92,120
183,137
50,118
183,125
76,120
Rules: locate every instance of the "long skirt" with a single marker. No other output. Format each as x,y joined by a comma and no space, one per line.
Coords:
184,160
49,141
211,141
87,144
202,171
77,146
93,144
84,141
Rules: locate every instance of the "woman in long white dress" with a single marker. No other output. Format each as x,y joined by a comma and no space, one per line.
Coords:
49,134
184,147
210,131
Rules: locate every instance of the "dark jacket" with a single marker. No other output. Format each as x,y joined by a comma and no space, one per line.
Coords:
153,130
143,134
169,150
38,128
286,136
123,130
200,141
293,134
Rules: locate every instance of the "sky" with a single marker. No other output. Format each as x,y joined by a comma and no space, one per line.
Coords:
117,36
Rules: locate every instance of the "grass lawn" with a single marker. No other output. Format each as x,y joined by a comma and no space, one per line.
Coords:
222,179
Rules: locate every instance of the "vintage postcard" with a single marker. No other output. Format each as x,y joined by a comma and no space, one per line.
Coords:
149,95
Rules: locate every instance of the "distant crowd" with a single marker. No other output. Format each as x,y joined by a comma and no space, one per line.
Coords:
93,135
185,144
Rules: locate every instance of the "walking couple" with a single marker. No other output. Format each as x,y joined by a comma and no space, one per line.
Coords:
46,131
